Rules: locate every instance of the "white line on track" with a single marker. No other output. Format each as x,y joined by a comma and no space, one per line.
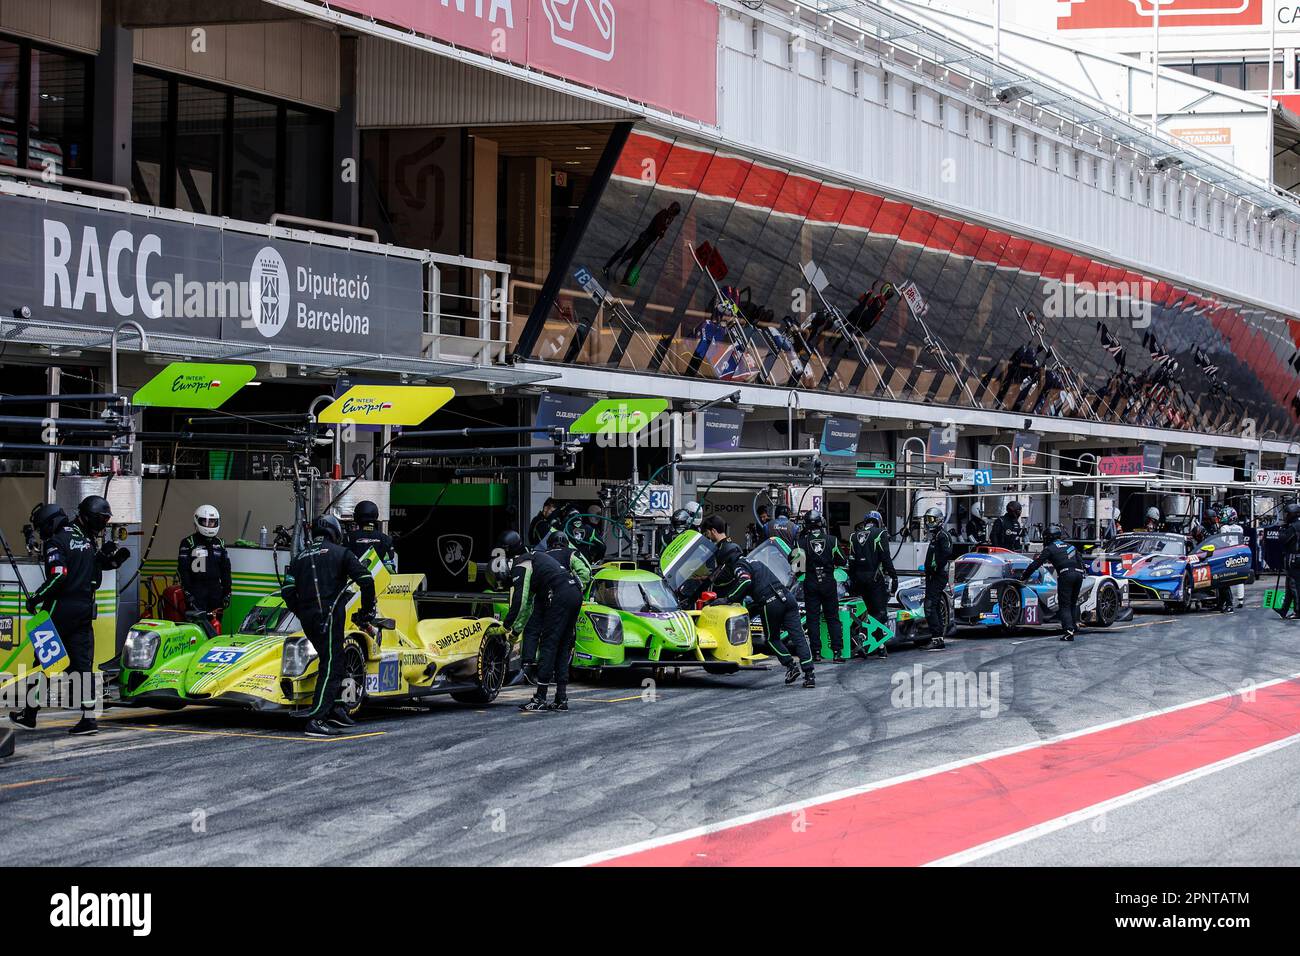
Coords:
1096,810
727,824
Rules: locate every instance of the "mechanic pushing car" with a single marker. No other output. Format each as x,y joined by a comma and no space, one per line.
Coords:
314,587
821,592
737,580
539,582
1070,573
74,569
937,558
872,576
1290,542
366,534
1006,531
203,567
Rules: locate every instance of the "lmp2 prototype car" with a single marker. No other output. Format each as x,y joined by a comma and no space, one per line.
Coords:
632,618
988,592
268,665
1171,568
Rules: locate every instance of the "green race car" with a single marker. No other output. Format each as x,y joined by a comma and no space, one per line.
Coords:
633,618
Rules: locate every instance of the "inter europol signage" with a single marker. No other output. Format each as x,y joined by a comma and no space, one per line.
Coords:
193,385
619,416
98,267
660,52
386,405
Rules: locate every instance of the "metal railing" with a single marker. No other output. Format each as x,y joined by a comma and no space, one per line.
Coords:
46,178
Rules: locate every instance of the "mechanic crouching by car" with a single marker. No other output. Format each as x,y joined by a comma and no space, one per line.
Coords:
203,568
366,534
540,584
937,558
821,555
74,569
1065,558
315,585
738,581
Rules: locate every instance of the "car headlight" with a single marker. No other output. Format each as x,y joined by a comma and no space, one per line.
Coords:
738,629
140,649
1164,572
608,627
298,654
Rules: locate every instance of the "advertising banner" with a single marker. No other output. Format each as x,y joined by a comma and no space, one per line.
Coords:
840,437
1119,466
722,428
204,385
941,446
98,267
1029,442
663,53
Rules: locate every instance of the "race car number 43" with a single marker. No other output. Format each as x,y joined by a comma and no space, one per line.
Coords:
222,655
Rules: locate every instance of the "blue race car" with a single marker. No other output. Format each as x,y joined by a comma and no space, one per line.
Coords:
1173,569
988,592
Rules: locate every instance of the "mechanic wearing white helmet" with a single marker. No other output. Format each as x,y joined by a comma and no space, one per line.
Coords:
203,564
1231,525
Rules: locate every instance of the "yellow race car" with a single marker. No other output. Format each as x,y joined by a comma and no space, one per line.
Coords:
268,665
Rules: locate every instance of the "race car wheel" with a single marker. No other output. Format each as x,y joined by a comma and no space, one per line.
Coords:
1011,606
1107,604
354,674
490,673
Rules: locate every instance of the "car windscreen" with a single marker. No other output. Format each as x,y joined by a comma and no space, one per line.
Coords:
972,571
636,597
772,556
693,563
270,620
1145,544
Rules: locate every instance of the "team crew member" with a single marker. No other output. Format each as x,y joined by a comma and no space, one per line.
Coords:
203,565
1069,577
782,527
74,570
821,593
976,526
871,568
937,557
541,523
366,534
1153,519
538,581
714,528
739,581
1290,541
1006,531
565,553
1233,595
315,587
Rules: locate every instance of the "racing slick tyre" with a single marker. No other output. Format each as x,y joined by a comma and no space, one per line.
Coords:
1107,605
354,674
945,619
1188,599
490,673
1011,606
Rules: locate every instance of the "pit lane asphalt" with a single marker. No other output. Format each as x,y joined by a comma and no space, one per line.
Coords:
450,784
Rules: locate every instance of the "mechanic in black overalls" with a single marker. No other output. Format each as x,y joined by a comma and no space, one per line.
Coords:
366,534
738,580
540,584
203,567
1006,531
821,592
1290,542
315,588
871,569
74,570
1067,561
564,551
937,558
